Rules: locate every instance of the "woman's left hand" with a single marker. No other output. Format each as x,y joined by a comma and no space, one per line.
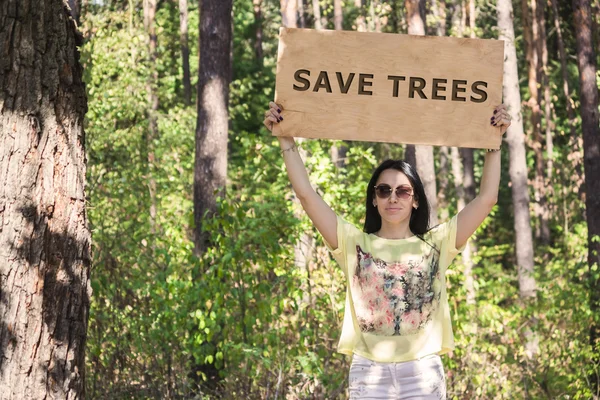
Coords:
501,118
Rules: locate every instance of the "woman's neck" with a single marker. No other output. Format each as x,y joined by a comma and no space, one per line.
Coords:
400,231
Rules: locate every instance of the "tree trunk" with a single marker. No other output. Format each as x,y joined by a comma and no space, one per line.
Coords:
185,51
472,18
338,152
44,236
461,197
564,71
317,14
586,61
338,17
289,13
518,174
466,181
575,141
532,38
301,14
210,170
547,109
151,88
258,42
415,16
516,146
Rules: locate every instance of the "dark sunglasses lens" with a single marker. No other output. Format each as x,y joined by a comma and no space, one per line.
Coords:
383,191
403,193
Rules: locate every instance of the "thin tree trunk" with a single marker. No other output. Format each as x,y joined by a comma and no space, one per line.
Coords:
258,41
532,38
151,88
214,76
301,14
517,162
586,61
564,71
303,248
317,14
518,170
210,168
439,13
338,153
575,141
45,251
185,51
540,20
461,196
415,15
289,13
444,155
467,180
338,17
547,106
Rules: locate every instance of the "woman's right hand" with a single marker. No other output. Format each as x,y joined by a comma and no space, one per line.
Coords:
273,116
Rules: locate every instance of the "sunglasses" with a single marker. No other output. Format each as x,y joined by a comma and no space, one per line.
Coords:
384,191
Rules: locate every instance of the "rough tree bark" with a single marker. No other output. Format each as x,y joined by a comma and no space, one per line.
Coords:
415,16
586,61
44,236
212,127
301,14
214,76
185,51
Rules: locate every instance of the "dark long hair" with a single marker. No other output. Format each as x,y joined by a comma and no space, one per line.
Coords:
419,218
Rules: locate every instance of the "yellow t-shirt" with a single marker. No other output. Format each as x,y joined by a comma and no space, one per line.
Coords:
396,302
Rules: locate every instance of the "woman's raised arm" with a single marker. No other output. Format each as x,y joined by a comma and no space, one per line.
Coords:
319,212
470,217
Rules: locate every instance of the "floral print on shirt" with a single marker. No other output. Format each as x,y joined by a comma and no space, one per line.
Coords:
395,298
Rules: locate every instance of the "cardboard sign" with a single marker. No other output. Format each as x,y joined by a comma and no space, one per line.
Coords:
381,87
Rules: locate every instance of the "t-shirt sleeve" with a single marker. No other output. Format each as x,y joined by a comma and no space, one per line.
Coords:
444,236
345,232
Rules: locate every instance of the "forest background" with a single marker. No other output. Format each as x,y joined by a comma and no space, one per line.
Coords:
256,313
208,281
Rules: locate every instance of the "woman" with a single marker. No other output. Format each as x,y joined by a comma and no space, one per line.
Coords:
397,319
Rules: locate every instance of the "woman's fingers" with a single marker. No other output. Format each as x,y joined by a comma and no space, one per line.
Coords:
276,106
500,116
270,121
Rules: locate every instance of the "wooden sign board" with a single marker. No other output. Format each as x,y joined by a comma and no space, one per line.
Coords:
383,87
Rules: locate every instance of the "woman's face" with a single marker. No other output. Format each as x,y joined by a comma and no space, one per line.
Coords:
394,196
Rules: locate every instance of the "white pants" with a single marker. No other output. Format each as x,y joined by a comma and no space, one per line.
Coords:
418,379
